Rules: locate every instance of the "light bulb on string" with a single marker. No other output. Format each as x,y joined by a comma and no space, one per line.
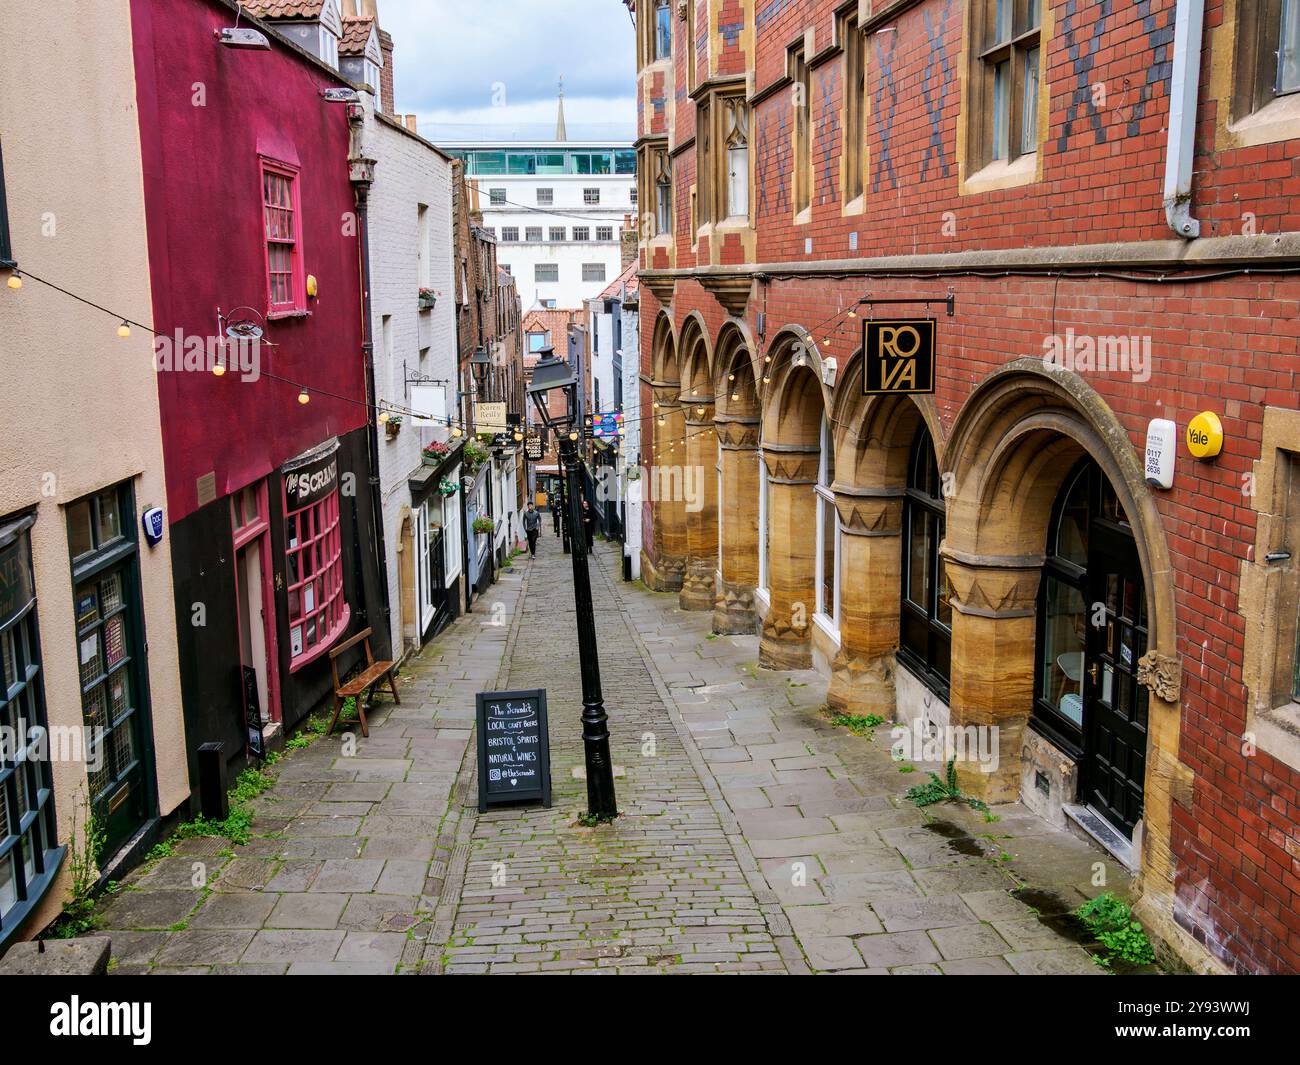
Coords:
384,416
15,281
124,330
304,397
218,367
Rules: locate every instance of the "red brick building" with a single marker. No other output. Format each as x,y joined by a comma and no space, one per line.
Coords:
1097,206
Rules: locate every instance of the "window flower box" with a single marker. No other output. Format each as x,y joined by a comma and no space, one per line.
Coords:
433,453
484,525
427,299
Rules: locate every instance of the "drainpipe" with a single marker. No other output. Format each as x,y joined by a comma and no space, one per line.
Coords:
1184,91
362,174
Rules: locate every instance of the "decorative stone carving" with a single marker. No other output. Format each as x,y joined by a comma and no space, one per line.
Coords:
662,285
697,584
993,591
783,645
792,467
730,290
862,685
733,610
736,434
1162,675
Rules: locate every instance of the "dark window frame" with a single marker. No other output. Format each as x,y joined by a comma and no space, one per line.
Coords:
1258,68
39,819
928,664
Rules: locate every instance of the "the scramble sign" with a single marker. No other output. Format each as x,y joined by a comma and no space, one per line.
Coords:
899,356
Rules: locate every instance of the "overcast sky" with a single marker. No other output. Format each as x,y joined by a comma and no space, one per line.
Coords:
477,62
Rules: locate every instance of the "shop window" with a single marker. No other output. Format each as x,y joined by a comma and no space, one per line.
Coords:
109,632
286,284
925,624
29,853
1007,66
318,612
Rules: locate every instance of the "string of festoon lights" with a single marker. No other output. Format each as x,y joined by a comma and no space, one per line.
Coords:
383,410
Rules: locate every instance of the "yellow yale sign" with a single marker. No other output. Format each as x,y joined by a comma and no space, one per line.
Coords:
1205,436
898,356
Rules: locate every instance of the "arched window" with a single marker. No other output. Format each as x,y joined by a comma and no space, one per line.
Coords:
925,625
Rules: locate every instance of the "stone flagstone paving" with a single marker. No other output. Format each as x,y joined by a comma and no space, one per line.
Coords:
755,836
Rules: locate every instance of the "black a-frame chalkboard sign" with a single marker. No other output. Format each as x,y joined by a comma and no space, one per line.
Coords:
514,748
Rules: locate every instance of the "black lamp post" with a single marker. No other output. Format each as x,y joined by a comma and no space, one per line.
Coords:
552,373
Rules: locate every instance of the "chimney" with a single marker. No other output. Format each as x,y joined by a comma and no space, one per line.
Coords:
628,242
386,93
410,123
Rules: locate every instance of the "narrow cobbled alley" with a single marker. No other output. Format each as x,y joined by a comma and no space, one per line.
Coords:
755,836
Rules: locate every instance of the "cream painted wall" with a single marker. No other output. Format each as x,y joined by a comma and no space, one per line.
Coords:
79,405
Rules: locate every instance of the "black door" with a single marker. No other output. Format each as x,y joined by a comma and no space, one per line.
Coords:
1115,715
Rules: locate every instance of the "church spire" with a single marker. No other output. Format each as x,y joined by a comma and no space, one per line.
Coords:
561,134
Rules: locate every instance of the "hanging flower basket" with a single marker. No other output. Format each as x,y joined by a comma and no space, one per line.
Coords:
447,487
475,455
427,299
484,525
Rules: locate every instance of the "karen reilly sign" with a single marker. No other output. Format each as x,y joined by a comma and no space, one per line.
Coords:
898,356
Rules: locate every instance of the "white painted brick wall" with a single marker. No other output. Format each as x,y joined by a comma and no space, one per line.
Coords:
409,173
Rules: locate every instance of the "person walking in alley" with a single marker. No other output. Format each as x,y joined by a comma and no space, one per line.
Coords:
589,524
555,513
532,528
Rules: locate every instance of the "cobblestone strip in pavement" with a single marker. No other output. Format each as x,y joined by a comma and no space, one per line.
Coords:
351,848
867,882
662,889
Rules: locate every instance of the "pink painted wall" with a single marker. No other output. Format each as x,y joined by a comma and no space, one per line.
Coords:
206,114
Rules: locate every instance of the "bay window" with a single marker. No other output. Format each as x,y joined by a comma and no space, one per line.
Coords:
318,612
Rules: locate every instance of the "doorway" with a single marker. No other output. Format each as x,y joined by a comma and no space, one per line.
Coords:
1092,632
431,579
258,681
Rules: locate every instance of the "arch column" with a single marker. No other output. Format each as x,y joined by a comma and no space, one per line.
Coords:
792,515
994,627
733,608
862,674
668,516
700,479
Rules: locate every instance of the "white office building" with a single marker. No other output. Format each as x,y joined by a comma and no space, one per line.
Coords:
557,207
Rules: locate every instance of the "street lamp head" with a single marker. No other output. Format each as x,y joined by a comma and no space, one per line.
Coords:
549,374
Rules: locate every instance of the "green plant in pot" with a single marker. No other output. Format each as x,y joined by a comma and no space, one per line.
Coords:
484,525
